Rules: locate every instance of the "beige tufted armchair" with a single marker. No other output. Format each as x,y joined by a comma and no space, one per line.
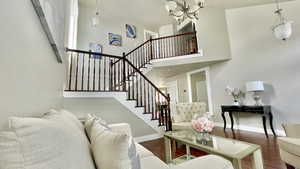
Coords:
185,113
290,146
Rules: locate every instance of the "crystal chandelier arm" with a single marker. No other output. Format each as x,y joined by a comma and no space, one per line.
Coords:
172,13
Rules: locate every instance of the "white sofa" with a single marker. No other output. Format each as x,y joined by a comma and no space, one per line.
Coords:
149,161
59,139
185,112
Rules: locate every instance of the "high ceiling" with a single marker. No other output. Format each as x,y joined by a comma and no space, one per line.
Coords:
146,12
228,4
152,12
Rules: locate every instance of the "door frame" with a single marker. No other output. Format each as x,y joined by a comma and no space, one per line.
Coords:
150,32
208,86
176,86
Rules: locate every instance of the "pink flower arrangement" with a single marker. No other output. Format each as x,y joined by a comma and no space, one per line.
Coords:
203,124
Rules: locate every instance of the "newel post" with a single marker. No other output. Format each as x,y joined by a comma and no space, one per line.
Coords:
124,71
151,48
168,114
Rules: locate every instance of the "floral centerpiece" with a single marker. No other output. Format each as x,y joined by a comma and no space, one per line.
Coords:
236,93
204,126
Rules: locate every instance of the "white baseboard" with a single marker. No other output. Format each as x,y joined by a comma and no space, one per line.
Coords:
252,129
148,137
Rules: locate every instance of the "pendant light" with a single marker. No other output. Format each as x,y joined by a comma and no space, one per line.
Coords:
283,27
96,17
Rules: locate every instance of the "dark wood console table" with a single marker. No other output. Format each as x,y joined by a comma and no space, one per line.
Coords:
264,111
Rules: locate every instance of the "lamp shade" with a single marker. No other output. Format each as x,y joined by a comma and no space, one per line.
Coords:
255,86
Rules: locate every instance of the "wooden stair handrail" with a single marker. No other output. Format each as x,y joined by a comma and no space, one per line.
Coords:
93,53
172,36
153,85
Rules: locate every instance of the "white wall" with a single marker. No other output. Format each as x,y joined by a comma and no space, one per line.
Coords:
32,79
212,33
110,110
108,24
257,55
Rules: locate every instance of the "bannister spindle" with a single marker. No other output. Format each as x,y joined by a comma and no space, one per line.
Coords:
153,103
89,71
115,77
145,103
124,73
76,77
141,91
104,73
99,74
70,71
82,72
148,91
110,75
94,78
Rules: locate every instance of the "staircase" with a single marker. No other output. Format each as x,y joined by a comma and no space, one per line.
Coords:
99,72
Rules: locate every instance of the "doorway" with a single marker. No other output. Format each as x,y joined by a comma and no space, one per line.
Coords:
149,34
172,90
199,87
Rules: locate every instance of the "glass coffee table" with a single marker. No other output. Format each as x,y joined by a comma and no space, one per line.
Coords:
233,150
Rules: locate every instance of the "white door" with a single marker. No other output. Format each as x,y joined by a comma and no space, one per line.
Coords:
172,89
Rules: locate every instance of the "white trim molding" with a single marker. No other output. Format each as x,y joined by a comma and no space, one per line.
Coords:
252,129
208,86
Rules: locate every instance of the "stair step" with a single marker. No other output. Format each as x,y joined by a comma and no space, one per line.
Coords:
140,106
131,99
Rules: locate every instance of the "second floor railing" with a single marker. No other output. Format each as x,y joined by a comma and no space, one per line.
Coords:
163,47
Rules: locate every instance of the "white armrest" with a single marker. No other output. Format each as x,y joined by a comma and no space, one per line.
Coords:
123,128
205,162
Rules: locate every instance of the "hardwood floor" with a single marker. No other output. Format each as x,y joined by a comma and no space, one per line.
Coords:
269,146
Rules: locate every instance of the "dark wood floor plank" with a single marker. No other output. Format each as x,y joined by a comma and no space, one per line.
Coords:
269,147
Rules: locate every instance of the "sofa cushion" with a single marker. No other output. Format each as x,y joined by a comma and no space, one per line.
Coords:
291,145
153,162
113,150
45,143
205,162
10,155
142,151
88,123
182,126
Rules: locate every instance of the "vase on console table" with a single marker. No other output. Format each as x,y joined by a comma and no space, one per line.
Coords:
236,93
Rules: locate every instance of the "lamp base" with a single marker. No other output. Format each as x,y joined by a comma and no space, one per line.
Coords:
257,99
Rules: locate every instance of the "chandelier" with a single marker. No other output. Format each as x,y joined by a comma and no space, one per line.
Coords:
283,27
182,10
96,17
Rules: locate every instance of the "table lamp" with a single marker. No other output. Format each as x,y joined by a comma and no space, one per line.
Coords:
256,87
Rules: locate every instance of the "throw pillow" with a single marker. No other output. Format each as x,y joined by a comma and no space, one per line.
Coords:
90,119
51,142
113,150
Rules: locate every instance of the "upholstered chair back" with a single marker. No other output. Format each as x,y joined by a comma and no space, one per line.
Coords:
187,111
